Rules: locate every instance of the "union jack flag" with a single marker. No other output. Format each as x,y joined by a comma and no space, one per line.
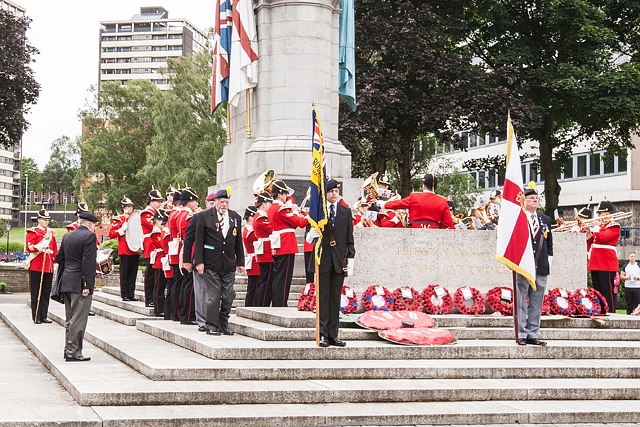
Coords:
221,54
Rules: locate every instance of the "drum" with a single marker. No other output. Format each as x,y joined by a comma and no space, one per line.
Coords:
134,233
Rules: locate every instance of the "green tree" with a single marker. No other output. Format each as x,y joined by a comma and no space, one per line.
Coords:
119,128
578,68
188,140
30,168
18,87
59,174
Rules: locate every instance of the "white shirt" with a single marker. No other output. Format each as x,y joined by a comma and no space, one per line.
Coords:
225,225
632,270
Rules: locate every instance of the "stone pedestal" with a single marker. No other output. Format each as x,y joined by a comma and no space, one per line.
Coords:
298,66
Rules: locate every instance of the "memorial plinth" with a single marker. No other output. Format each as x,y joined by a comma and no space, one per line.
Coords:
452,258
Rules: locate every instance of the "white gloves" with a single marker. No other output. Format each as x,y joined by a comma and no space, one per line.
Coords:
312,235
44,244
550,261
123,229
381,203
350,267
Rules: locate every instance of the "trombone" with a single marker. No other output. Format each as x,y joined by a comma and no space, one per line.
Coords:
582,223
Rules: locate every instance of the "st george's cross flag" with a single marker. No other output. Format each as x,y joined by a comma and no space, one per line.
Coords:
221,51
317,194
515,248
243,66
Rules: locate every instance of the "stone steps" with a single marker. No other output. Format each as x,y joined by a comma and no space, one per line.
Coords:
117,314
115,301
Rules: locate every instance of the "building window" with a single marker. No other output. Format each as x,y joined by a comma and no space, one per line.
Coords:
609,166
109,38
568,169
160,37
582,166
142,27
622,164
594,164
180,48
124,49
125,28
175,36
124,38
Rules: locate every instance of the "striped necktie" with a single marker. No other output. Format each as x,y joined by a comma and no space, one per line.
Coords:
535,226
332,214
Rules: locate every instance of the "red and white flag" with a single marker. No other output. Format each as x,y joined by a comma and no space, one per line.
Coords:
515,248
244,51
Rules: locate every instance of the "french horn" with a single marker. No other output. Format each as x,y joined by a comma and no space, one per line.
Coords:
264,181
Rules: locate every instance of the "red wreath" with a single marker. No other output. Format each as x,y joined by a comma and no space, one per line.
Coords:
435,305
372,301
496,303
586,305
478,306
411,304
546,305
559,304
348,305
599,299
307,302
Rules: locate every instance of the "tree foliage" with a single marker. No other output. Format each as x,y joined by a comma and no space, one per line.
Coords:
30,168
18,87
578,71
59,174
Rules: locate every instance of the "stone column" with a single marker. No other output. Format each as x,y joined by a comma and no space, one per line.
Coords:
298,65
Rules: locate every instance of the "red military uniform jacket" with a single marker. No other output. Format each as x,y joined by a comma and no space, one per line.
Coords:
146,222
284,221
35,236
166,238
183,220
389,219
172,224
262,229
248,237
603,256
114,233
155,247
73,226
426,210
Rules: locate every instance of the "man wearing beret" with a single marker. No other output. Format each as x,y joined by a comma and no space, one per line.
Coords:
217,254
76,276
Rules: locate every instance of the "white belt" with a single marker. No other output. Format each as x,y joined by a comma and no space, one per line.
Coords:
596,245
284,230
263,239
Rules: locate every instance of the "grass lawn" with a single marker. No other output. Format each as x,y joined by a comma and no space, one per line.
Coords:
16,235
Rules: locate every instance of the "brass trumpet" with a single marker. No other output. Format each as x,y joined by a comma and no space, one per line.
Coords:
369,188
581,223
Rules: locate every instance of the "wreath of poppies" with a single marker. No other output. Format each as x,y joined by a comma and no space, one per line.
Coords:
546,305
307,302
400,302
372,300
561,302
348,304
433,304
496,301
477,299
585,305
599,299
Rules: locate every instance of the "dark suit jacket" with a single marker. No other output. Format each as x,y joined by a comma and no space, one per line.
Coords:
221,253
189,238
343,234
77,261
543,246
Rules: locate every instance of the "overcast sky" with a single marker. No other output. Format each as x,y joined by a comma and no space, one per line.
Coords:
66,33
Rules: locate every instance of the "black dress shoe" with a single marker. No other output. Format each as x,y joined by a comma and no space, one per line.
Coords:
522,342
134,299
160,315
46,321
126,299
536,341
38,322
324,341
336,342
91,313
188,322
212,330
148,304
202,328
225,330
77,359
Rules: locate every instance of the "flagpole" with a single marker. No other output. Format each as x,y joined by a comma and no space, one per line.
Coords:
515,304
248,113
228,123
317,268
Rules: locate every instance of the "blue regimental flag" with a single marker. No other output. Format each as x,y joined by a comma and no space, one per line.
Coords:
317,195
347,54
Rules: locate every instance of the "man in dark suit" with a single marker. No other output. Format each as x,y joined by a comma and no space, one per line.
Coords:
334,262
76,275
529,313
217,253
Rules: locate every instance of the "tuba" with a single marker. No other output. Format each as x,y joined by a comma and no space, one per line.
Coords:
369,188
264,181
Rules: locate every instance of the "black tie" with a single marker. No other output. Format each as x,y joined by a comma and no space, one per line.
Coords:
332,214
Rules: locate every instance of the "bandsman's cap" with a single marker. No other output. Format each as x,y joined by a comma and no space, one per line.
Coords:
170,190
331,184
606,206
177,193
44,214
126,201
188,194
82,207
585,212
384,179
161,214
250,211
279,187
88,216
263,197
430,181
154,195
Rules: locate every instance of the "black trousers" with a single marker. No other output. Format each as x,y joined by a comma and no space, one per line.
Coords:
309,267
149,282
263,294
43,294
632,297
282,275
174,285
158,295
330,292
252,287
128,273
187,309
603,283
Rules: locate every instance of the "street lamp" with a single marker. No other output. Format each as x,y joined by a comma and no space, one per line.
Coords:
8,228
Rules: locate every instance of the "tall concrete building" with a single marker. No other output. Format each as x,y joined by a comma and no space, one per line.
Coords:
11,159
135,49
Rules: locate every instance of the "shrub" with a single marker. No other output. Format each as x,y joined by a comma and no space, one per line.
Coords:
3,287
112,244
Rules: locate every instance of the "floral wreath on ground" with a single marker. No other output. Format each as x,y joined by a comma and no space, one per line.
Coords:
546,305
402,300
348,300
307,298
586,305
497,301
459,300
599,299
561,302
377,298
436,299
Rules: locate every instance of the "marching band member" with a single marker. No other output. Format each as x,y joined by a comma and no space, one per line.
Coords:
168,203
284,218
82,207
262,229
251,263
186,306
174,283
384,187
156,254
603,259
146,222
42,248
128,258
426,209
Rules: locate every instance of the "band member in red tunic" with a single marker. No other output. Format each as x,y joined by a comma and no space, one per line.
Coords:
82,207
146,221
42,248
250,262
603,259
186,305
426,209
156,254
262,229
128,258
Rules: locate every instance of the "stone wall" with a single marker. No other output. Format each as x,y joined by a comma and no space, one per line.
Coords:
16,278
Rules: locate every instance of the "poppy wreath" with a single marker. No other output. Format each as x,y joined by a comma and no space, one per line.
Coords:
307,299
561,302
585,305
371,300
599,299
410,304
478,306
348,304
436,305
546,305
496,303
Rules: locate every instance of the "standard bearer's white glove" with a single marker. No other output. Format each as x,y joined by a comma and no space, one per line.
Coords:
381,203
44,244
550,261
312,235
350,267
123,229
